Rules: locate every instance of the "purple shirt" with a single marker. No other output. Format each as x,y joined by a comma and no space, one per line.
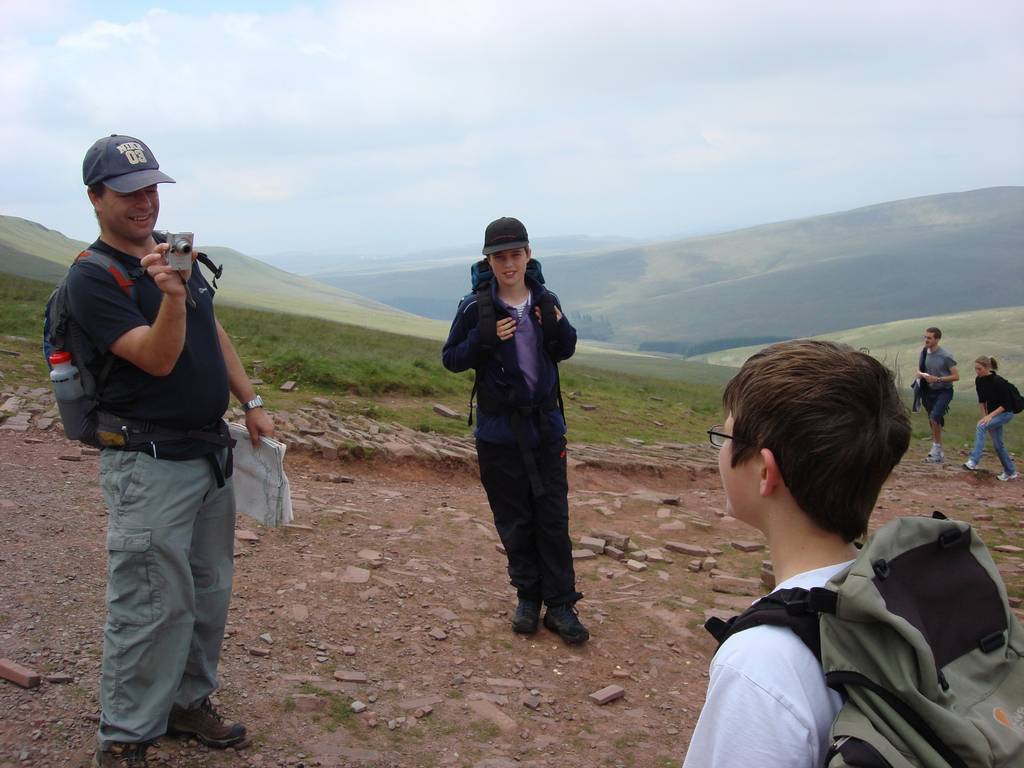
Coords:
526,342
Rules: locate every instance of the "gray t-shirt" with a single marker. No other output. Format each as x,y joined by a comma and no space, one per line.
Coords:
939,362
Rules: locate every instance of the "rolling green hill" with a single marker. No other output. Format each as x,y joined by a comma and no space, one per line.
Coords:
960,251
31,250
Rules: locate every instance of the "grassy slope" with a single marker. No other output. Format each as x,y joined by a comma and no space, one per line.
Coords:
993,332
399,378
394,377
31,250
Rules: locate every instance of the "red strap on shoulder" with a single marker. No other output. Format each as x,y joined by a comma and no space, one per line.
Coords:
123,281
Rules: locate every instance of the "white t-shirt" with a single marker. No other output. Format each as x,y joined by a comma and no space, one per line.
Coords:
767,703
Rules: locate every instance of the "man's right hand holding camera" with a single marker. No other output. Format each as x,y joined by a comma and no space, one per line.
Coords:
156,348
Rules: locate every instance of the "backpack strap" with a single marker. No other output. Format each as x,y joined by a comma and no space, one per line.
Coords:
114,266
126,283
795,608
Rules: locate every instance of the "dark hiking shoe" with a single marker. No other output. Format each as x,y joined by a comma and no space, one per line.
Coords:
563,620
205,724
122,756
527,617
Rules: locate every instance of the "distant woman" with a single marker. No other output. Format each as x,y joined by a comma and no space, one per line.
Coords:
996,411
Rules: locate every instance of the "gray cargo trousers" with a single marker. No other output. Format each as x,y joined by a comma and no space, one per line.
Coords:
170,546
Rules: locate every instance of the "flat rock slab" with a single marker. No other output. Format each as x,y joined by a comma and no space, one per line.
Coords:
19,675
444,410
683,548
607,694
489,711
748,546
592,543
735,585
505,682
421,702
243,535
350,676
583,554
355,575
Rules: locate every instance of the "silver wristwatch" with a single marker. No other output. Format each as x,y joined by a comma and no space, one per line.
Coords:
256,402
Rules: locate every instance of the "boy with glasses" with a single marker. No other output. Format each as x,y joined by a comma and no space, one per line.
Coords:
812,431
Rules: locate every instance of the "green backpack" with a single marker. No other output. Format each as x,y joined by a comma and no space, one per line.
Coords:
919,639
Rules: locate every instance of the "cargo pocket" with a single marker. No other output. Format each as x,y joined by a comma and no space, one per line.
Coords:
132,596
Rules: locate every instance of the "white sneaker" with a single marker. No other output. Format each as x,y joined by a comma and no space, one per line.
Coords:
934,458
969,464
1004,477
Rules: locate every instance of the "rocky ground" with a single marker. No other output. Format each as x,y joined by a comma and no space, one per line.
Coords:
374,630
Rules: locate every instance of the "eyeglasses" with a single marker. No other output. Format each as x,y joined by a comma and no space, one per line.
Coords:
718,437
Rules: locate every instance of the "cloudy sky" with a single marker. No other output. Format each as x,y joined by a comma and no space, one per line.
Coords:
375,126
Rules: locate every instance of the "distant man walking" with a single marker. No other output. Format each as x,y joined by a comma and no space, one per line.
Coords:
165,367
936,373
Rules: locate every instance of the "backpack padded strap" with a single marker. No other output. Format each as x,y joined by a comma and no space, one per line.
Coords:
487,320
790,608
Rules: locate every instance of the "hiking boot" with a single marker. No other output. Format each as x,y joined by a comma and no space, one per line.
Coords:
205,724
1004,476
121,756
562,619
527,617
969,464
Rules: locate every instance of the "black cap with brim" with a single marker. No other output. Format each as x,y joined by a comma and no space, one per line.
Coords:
122,163
505,234
130,182
499,247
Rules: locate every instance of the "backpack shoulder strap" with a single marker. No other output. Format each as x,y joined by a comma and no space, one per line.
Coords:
549,324
112,265
794,608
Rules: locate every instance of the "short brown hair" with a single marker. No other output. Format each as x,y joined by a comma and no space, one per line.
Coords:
934,332
834,421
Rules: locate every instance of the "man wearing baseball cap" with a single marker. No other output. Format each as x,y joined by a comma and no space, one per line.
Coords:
164,368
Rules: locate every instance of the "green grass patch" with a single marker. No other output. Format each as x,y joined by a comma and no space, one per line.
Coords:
391,377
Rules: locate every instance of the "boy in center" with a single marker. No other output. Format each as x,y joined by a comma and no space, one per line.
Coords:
502,333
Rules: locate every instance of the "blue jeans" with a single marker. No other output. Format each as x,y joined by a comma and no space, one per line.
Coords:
995,429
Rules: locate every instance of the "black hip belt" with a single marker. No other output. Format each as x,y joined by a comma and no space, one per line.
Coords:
136,435
517,414
487,403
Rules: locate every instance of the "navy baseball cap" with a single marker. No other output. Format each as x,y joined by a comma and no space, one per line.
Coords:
505,234
122,163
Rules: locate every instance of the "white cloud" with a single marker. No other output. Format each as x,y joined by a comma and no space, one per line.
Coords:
593,116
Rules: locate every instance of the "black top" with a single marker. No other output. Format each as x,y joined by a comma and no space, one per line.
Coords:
194,394
994,392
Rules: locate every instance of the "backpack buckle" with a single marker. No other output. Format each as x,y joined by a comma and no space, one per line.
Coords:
881,568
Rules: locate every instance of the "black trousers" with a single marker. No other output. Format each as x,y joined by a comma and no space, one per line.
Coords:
533,530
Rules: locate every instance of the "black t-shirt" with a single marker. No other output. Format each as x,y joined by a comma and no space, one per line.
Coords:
194,394
994,392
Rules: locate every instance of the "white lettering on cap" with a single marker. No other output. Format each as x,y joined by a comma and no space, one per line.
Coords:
133,153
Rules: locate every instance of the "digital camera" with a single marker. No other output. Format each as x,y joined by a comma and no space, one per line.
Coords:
179,250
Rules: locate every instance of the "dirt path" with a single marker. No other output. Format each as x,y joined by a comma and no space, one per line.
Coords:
394,581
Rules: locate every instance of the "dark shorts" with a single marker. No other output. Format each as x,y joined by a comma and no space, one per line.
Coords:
936,402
